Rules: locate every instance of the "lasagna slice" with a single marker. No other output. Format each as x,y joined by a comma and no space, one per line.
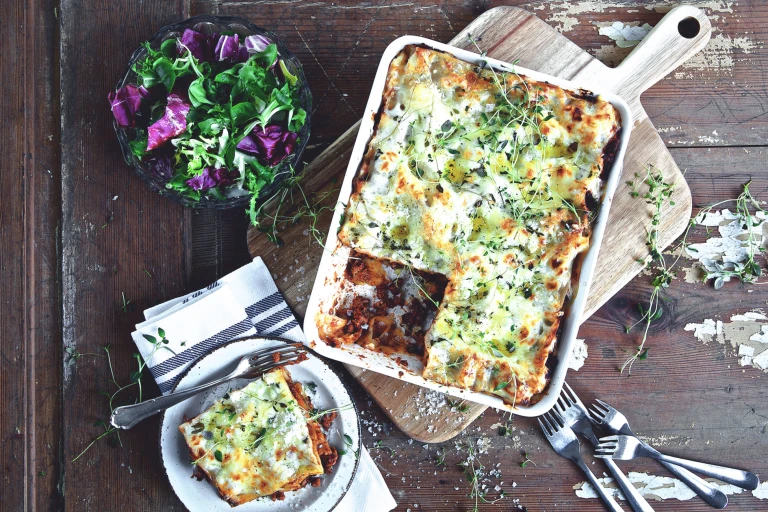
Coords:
259,440
490,179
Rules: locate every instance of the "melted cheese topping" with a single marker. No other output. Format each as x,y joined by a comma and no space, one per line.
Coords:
488,178
255,442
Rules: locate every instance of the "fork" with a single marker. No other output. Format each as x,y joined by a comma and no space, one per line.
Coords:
565,443
629,447
575,415
249,367
614,421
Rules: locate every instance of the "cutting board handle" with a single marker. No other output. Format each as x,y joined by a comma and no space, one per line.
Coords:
683,32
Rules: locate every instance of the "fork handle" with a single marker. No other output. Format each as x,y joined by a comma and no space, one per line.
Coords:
714,497
129,415
633,496
737,477
608,500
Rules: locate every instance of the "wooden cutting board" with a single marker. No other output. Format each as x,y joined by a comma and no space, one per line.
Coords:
512,34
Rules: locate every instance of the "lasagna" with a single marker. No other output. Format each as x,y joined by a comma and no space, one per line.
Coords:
487,180
260,441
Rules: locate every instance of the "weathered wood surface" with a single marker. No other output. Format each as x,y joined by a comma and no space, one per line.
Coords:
113,229
694,395
30,333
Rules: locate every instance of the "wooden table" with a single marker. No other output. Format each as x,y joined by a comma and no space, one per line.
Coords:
80,234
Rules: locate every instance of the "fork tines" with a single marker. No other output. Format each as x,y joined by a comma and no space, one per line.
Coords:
554,422
607,447
570,395
269,365
598,411
283,352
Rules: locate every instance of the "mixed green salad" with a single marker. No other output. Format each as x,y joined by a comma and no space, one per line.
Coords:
213,116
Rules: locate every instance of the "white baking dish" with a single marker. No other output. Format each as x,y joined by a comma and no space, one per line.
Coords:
334,258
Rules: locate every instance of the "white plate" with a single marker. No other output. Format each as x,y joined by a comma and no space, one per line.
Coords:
330,393
334,259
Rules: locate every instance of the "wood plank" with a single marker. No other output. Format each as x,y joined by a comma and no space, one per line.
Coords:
12,380
29,317
114,228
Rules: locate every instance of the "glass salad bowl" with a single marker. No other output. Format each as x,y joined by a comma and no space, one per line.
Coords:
209,25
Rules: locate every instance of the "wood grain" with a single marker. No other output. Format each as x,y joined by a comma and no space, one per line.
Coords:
30,417
113,229
511,34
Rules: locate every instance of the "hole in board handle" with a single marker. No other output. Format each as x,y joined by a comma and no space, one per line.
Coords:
689,27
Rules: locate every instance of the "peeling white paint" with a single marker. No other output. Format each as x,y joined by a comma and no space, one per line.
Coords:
625,35
749,316
744,333
705,331
710,139
692,275
666,440
578,355
761,492
718,55
680,75
668,129
651,487
707,5
563,14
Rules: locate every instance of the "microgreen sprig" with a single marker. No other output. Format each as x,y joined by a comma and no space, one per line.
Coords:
268,219
135,378
527,460
473,469
348,445
378,445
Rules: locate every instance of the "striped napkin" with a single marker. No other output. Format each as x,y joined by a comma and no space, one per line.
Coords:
243,303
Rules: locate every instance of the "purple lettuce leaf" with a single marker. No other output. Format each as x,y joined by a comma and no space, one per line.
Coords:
173,122
256,43
242,54
272,144
212,177
160,166
228,48
125,102
201,46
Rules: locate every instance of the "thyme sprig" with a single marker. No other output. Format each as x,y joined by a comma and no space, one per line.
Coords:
659,194
459,405
746,271
315,414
